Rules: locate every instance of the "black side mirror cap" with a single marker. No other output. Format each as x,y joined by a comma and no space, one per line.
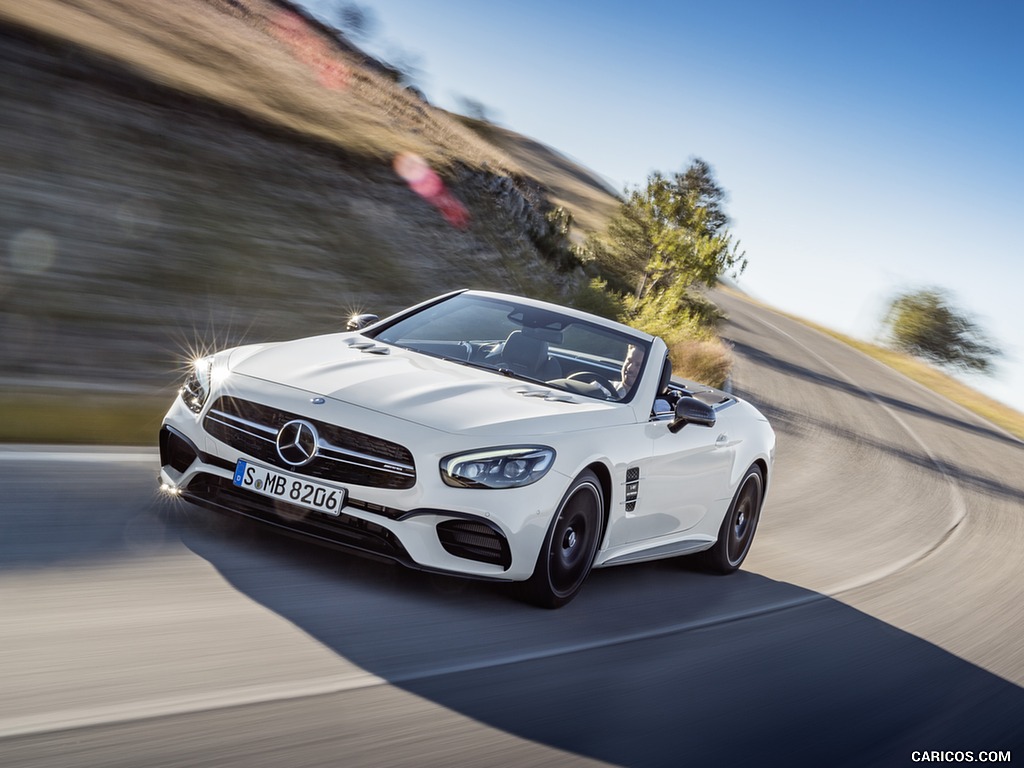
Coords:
690,410
356,322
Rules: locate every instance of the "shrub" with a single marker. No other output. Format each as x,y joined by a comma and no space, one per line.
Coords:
705,361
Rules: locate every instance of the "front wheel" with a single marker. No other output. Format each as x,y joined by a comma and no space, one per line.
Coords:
570,545
738,527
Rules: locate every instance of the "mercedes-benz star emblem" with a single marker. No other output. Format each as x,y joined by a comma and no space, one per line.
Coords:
296,442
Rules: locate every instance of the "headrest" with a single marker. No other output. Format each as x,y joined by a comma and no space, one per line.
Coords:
550,335
524,350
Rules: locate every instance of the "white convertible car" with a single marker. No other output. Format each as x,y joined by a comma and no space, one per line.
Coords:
477,434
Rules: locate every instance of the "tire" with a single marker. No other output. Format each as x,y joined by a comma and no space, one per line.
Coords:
738,527
570,545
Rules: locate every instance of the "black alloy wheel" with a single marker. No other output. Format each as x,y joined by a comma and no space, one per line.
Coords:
738,527
570,545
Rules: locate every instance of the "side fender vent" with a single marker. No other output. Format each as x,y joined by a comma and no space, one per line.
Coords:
632,492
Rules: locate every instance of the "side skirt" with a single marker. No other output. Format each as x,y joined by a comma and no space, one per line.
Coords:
673,549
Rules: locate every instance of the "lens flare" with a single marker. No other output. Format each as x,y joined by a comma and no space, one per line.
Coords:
170,490
425,182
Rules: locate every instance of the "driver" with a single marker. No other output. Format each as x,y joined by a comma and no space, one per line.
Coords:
631,368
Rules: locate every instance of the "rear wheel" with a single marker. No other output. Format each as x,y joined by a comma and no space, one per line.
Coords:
738,527
571,543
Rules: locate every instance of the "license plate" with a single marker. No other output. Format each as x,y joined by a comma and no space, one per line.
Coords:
295,490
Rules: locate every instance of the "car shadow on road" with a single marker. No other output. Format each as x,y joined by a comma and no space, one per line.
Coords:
652,665
77,513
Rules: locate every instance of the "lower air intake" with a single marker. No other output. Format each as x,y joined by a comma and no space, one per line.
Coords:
474,541
175,452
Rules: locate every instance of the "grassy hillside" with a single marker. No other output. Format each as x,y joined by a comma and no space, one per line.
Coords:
270,61
205,172
261,58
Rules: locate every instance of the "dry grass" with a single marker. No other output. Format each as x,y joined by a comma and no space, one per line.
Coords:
56,417
706,362
242,55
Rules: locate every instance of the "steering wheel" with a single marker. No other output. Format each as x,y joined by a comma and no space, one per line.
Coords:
596,378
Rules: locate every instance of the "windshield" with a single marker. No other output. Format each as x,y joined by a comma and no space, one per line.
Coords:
521,341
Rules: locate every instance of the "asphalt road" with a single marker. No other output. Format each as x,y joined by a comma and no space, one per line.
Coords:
880,614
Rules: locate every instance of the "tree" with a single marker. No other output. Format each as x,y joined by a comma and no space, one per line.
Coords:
356,20
924,323
475,109
667,240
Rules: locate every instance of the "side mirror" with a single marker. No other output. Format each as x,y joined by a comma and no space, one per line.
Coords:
360,321
690,410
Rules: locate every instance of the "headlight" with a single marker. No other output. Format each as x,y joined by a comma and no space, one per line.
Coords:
497,467
197,386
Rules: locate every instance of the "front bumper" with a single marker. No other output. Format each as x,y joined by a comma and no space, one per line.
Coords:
473,541
476,533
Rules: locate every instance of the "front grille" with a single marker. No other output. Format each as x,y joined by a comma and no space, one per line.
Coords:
342,455
219,492
474,541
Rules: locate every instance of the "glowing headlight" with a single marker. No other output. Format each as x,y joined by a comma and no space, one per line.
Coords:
197,386
497,467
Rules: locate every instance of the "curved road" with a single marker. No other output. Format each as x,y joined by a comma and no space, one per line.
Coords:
881,612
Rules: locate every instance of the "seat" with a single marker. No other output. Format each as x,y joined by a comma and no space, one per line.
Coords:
528,356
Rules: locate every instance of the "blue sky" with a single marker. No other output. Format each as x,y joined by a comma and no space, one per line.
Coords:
866,146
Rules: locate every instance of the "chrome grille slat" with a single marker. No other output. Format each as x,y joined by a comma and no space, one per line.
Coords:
233,425
252,428
404,472
246,422
397,466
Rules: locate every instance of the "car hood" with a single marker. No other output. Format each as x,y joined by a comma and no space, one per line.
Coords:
429,391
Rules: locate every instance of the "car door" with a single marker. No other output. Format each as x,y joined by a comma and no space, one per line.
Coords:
685,473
